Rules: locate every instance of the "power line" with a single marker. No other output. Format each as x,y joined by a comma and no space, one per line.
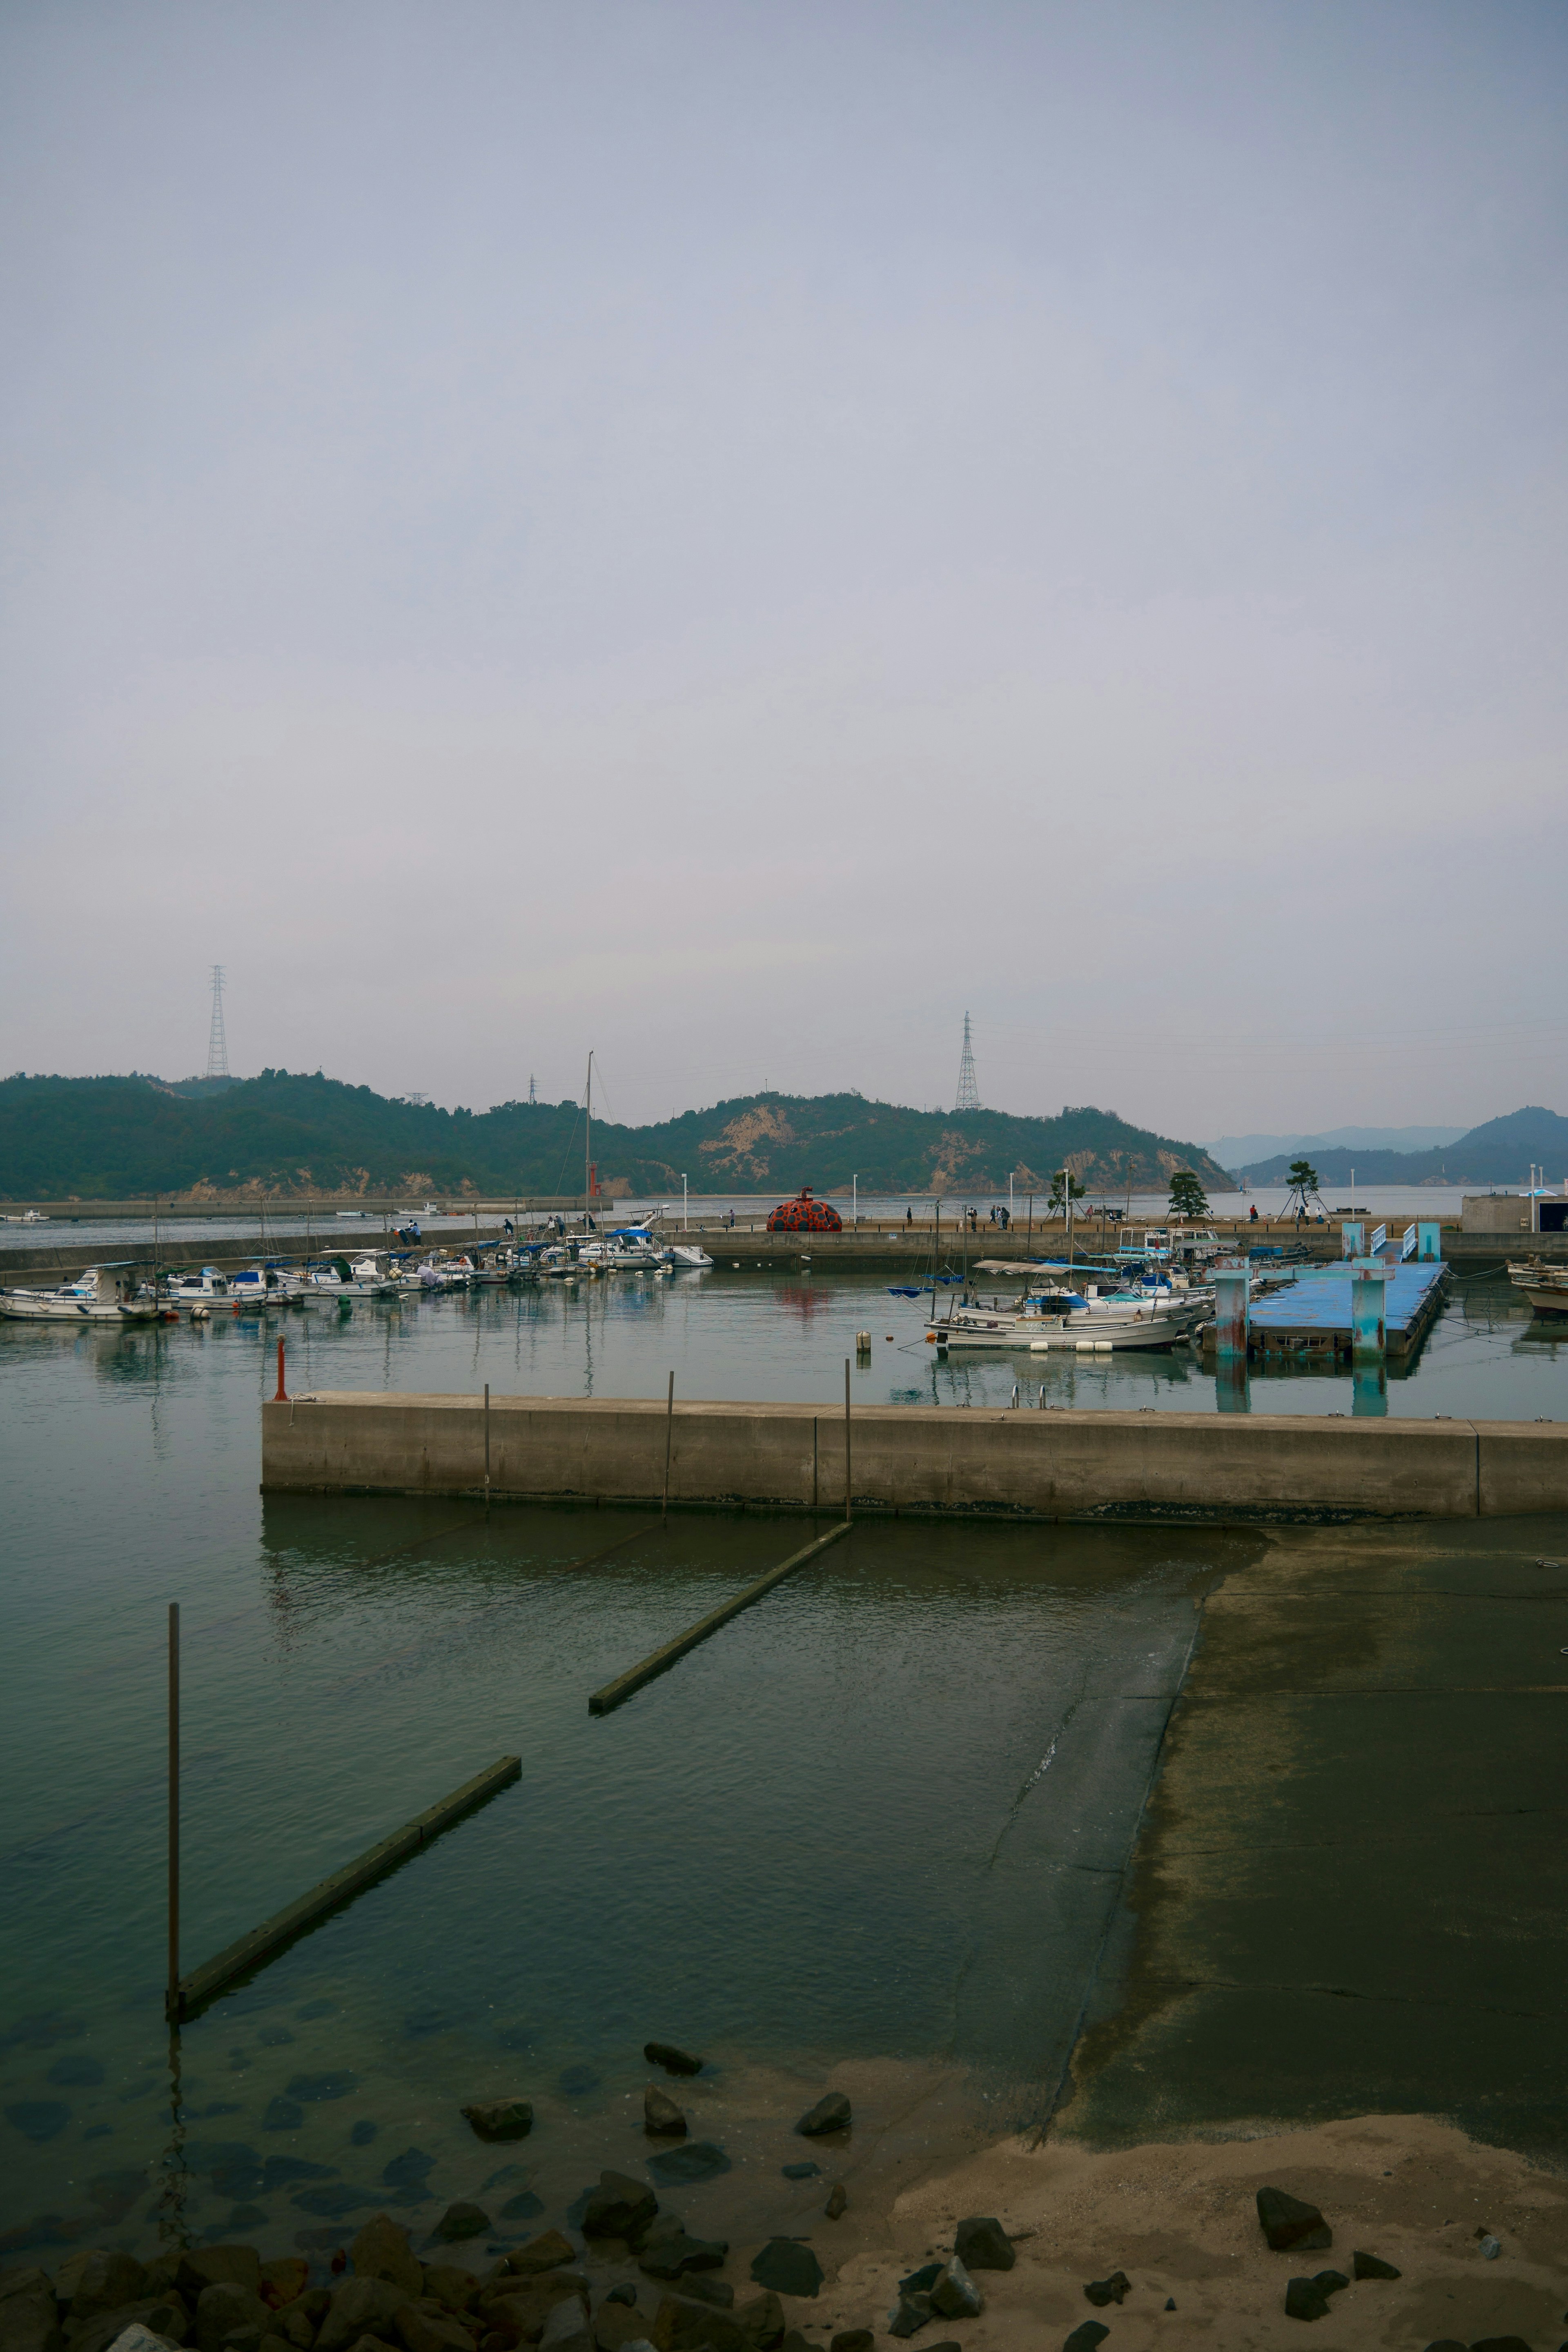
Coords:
218,1043
968,1084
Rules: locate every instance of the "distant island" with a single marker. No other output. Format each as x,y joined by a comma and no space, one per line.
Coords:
287,1136
1502,1151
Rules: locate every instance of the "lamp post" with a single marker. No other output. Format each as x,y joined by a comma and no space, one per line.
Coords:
855,1209
683,1205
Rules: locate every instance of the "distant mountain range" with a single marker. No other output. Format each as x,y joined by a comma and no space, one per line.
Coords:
1500,1152
290,1137
1241,1150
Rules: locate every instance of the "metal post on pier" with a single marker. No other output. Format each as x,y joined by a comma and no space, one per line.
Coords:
846,1479
669,1439
1232,1305
172,1999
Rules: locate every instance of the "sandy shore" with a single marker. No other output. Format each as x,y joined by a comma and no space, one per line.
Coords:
1180,2219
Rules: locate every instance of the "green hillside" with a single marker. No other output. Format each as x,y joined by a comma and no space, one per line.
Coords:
291,1137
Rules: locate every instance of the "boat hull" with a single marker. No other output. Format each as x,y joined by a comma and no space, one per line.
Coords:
22,1307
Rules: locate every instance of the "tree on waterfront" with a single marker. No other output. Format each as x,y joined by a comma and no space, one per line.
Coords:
1188,1198
1074,1191
1303,1186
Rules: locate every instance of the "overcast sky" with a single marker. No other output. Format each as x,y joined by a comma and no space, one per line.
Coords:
729,534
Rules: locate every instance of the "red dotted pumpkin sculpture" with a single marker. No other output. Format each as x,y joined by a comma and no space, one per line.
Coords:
804,1215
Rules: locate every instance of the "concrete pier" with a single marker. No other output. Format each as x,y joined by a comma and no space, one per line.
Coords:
917,1459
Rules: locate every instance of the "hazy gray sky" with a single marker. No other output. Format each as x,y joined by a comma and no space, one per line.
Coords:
730,533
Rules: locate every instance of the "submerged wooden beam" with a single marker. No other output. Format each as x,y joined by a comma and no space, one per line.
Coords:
264,1943
611,1695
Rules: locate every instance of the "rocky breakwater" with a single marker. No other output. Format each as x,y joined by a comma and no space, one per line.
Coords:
380,2293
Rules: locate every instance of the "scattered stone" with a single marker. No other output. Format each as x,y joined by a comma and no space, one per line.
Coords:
545,2252
334,2201
699,2159
830,2114
279,2169
164,2316
282,2115
921,2282
1290,2225
431,2331
222,2311
137,2338
837,2201
500,2120
703,2288
96,2282
460,2221
681,2326
619,2208
283,2281
787,2267
1086,2336
445,2283
335,2083
1308,2298
1169,2303
37,2119
981,2243
204,2267
1490,2249
853,2339
667,2256
796,2342
626,2293
292,2326
31,2319
381,2251
1447,2344
1365,2266
617,2323
363,2132
1107,2290
409,2170
567,2329
955,2295
762,2321
805,2171
673,2061
525,2207
1500,2344
913,2313
661,2117
360,2308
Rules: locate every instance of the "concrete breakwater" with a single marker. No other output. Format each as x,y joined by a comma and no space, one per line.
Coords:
927,1460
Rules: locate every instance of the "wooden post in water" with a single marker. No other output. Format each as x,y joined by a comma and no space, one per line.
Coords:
846,1437
173,2002
487,1441
669,1439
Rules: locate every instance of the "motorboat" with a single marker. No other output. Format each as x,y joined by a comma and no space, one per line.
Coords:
265,1285
1059,1315
1546,1286
364,1277
29,1217
683,1253
631,1250
207,1288
101,1294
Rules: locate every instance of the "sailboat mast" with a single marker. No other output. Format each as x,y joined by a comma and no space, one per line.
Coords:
588,1146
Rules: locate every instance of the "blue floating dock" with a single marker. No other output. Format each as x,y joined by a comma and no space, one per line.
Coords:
1311,1315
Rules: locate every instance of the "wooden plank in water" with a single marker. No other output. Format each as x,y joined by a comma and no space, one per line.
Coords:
611,1695
264,1943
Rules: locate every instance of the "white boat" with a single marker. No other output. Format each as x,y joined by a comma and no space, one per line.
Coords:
27,1217
265,1285
1546,1286
103,1294
365,1277
207,1288
1087,1321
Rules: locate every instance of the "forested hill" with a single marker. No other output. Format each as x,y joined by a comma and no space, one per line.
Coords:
292,1137
1501,1152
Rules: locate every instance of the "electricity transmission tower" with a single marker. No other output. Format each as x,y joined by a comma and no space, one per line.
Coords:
218,1043
968,1086
533,1091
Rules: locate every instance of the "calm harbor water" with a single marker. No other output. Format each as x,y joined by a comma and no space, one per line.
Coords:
837,1836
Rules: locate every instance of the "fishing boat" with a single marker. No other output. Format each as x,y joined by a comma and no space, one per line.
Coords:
207,1288
1546,1286
1059,1315
102,1294
364,1277
265,1285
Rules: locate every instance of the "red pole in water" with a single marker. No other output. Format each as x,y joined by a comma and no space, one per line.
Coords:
281,1397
